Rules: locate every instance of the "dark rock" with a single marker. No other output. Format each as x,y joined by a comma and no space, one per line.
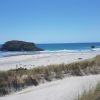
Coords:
92,46
15,45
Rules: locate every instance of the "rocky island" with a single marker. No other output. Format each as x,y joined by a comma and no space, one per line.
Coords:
16,45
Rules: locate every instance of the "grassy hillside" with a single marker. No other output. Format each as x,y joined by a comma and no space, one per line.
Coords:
14,80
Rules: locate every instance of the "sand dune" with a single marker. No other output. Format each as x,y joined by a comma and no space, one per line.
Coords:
66,89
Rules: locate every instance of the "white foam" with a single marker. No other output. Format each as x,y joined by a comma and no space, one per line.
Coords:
66,50
96,49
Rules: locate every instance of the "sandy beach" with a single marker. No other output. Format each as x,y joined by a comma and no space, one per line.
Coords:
66,89
43,59
49,49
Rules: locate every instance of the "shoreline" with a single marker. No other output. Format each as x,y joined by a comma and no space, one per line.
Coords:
43,59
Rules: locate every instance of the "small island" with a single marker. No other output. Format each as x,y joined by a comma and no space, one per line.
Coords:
16,45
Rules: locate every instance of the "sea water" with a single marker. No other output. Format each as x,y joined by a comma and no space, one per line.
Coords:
58,47
70,47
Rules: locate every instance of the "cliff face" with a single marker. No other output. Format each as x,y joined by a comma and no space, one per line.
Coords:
16,45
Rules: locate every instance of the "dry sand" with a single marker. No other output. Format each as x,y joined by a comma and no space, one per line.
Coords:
65,89
31,61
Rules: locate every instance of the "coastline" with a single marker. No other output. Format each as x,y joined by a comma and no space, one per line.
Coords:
43,59
64,86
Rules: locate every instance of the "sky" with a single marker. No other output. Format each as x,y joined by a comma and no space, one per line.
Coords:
50,21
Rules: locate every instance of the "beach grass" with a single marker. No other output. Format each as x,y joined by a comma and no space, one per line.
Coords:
92,94
19,78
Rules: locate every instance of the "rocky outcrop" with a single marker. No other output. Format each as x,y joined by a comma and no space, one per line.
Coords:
16,45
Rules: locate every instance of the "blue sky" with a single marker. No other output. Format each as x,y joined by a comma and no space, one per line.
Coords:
50,21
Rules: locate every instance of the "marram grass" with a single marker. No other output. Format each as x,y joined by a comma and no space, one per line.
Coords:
92,94
17,79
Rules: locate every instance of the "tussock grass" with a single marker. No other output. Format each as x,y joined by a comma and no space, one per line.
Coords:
92,94
19,78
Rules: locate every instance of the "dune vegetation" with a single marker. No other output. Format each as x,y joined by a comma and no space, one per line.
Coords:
92,94
19,78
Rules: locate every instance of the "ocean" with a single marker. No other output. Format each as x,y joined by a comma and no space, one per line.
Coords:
70,47
58,47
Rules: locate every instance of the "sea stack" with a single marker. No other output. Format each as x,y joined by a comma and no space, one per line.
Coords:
16,45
